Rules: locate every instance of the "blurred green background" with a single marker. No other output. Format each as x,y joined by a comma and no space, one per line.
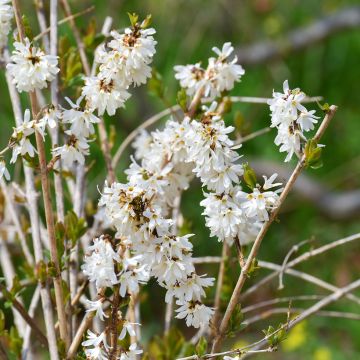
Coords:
186,32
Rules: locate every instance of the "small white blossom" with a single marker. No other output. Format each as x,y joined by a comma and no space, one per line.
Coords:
73,150
104,95
96,306
98,345
30,68
196,314
131,354
128,327
99,264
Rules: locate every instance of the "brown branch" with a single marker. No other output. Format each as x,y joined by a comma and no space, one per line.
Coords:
22,311
256,246
46,196
300,39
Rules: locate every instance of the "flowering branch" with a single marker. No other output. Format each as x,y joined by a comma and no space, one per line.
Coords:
255,248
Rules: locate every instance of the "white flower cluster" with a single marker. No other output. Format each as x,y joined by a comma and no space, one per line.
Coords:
220,75
291,119
30,67
124,61
6,15
230,213
136,212
81,126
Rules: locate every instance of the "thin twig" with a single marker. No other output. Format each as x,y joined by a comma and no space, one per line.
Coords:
10,206
26,347
63,21
293,250
22,311
301,258
79,334
255,248
307,277
219,285
332,314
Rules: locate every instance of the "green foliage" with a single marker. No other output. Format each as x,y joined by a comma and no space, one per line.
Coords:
253,267
70,63
133,17
181,99
75,227
171,346
201,346
27,27
313,154
156,85
249,176
275,337
235,323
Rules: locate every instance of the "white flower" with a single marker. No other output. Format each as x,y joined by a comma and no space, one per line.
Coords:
99,265
142,144
130,280
6,15
128,327
290,118
51,118
73,150
99,343
190,76
96,306
227,73
258,204
19,141
220,75
81,120
131,354
30,68
189,289
237,357
196,314
4,171
104,95
137,48
307,119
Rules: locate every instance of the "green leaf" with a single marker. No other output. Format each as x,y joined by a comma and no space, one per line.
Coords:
133,18
27,28
274,337
146,22
156,85
41,271
181,99
324,107
74,227
313,154
16,286
249,176
201,347
253,267
235,323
